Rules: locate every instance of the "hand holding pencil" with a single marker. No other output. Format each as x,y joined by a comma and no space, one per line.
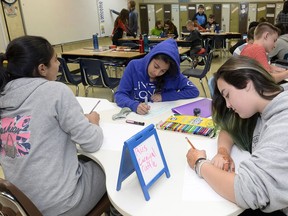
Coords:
194,154
93,116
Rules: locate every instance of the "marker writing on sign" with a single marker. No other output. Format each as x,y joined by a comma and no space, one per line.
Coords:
135,122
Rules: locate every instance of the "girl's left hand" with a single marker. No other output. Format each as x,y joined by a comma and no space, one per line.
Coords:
156,97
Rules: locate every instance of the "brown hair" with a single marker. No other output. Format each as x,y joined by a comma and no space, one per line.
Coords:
265,27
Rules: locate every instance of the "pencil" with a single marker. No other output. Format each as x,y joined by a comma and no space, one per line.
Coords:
95,106
189,142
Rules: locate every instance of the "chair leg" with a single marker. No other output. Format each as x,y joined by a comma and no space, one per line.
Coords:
77,90
203,87
86,91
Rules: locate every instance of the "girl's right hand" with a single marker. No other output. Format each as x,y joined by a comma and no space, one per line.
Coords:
223,160
143,109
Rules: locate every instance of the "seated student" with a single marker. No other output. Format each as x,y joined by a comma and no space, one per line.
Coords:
281,46
170,30
265,36
39,154
156,77
158,29
250,40
194,38
259,126
242,41
211,22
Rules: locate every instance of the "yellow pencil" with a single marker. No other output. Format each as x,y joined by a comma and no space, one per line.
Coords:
189,142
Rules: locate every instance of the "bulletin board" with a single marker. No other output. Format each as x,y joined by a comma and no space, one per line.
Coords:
68,21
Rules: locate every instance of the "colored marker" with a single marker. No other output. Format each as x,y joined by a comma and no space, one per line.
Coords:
135,122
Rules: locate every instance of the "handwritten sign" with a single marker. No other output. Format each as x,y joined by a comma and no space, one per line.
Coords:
143,153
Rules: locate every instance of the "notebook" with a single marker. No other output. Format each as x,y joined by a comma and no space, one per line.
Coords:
188,109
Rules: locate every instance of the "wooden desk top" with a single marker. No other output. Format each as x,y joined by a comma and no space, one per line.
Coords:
108,53
113,54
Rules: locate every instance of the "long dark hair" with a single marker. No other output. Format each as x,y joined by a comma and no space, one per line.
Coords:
171,72
23,56
237,71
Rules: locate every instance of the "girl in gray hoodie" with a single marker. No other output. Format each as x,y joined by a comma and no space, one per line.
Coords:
41,122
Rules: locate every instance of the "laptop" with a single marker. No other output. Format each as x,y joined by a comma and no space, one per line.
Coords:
205,106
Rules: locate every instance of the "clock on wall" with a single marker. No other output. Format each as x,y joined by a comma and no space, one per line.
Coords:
9,1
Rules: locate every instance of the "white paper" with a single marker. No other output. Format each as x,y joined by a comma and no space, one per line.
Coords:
195,185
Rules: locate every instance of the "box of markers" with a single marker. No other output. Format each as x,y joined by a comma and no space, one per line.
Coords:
189,124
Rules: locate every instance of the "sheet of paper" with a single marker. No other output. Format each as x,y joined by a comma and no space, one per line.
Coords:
115,141
195,185
87,104
159,108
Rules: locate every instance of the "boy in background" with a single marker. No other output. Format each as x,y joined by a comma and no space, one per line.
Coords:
200,16
265,37
211,21
249,40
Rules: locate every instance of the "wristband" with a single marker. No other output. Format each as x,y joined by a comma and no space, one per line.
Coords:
198,167
198,161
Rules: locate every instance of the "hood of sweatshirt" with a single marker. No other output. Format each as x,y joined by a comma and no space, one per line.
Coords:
17,91
168,47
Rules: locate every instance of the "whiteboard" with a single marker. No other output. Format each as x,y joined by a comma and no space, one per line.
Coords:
69,20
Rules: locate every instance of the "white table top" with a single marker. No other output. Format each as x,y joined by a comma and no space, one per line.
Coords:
184,192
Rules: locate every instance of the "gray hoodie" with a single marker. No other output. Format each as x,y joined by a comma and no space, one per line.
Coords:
281,47
41,121
262,180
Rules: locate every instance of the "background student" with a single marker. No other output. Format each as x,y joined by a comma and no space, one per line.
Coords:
194,38
282,16
249,39
39,155
156,77
158,28
265,36
211,21
243,40
120,26
200,16
258,126
133,19
280,50
170,30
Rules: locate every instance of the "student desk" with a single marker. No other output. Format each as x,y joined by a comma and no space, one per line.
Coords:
166,194
109,55
123,56
153,40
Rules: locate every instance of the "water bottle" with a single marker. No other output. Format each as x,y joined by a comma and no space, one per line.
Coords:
141,44
217,28
95,41
146,44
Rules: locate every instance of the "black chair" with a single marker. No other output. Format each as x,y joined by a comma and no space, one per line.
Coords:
67,76
200,73
94,74
14,202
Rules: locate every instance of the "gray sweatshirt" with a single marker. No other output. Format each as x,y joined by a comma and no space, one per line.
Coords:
41,122
262,180
281,48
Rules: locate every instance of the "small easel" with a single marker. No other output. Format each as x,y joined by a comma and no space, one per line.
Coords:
143,153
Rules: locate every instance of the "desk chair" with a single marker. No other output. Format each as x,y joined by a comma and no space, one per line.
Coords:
14,202
94,74
211,85
200,73
67,77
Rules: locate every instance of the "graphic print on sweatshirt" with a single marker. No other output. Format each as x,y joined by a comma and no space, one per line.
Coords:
143,90
15,136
